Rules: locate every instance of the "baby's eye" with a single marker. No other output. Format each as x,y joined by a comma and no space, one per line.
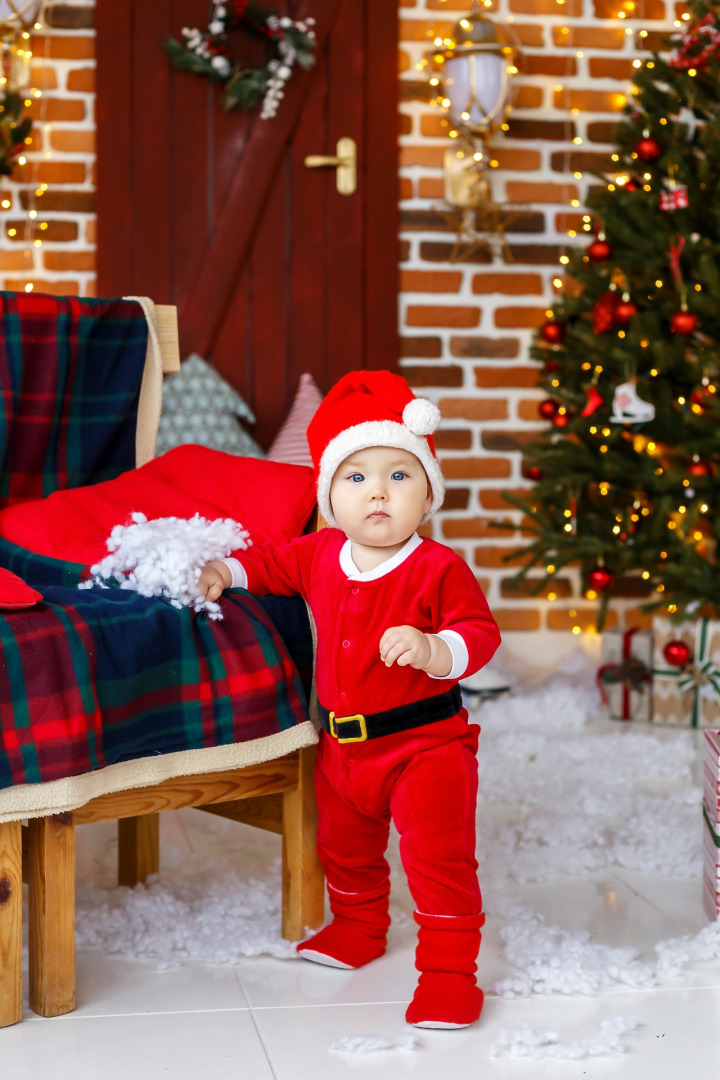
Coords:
356,478
398,475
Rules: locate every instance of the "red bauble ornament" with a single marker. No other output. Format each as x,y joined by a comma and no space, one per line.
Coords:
683,322
548,409
550,366
600,578
632,185
677,653
599,251
552,332
561,420
700,468
624,312
532,472
648,149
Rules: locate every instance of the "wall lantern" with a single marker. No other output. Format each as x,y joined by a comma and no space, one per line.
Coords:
17,19
472,72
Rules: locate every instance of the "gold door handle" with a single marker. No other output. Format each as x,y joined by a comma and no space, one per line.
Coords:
345,162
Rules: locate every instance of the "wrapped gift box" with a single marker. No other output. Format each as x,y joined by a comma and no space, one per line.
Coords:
688,696
711,774
711,868
711,828
624,677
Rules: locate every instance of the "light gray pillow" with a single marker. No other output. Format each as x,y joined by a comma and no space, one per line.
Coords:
200,407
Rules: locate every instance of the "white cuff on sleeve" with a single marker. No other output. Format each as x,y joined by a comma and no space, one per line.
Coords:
239,575
460,654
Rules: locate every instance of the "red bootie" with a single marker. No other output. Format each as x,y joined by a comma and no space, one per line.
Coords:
358,932
447,995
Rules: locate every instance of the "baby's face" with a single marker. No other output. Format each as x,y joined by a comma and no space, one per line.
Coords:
379,496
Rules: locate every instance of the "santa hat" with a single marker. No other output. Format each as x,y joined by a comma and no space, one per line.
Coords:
372,408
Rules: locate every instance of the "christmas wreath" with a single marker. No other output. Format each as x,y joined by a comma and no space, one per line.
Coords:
208,53
13,130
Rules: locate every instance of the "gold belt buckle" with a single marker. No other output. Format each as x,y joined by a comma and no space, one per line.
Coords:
333,720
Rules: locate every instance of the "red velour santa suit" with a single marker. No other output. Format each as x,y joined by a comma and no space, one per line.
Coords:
396,743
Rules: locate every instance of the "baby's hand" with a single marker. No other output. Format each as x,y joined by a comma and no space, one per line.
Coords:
214,577
405,645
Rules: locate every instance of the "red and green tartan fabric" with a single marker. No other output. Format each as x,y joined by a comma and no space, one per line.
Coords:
70,373
92,677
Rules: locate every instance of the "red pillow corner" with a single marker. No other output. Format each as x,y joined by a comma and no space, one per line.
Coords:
15,593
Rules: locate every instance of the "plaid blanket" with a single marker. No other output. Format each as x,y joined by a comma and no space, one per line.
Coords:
70,373
91,678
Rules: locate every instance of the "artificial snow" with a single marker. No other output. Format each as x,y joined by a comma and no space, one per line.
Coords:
164,557
364,1044
530,1042
561,794
550,960
673,955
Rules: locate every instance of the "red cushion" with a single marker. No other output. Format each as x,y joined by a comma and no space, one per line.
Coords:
273,501
14,593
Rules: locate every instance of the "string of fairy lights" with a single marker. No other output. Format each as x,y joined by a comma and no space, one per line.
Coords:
28,183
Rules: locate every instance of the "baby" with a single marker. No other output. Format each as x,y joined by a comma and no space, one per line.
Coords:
400,619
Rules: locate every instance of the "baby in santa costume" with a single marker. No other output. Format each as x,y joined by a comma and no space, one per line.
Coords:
400,619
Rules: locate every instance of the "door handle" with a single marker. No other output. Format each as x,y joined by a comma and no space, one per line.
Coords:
345,161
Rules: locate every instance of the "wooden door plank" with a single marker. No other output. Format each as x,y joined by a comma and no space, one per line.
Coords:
236,226
151,177
10,922
345,269
51,914
115,150
382,281
307,342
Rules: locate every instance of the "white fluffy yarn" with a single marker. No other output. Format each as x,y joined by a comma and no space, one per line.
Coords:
527,1041
164,557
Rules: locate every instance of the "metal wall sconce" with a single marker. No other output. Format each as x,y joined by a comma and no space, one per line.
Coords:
472,72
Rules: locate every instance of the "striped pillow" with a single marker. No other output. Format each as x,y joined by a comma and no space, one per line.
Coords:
290,444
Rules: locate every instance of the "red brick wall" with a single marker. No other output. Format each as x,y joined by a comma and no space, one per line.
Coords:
466,326
54,250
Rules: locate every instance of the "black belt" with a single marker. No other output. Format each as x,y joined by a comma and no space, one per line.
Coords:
374,725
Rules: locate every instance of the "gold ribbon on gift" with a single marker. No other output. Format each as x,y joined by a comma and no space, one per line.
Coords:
701,675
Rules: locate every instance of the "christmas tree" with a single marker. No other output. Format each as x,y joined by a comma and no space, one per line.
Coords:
628,474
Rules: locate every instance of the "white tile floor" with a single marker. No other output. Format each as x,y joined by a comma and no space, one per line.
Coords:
267,1018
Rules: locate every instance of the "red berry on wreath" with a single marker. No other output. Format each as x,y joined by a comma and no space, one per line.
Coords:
552,332
548,409
600,578
677,653
683,322
624,312
599,250
647,148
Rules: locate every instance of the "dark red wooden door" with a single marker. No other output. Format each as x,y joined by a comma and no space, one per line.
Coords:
273,270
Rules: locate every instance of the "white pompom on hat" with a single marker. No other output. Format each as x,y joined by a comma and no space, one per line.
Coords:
372,408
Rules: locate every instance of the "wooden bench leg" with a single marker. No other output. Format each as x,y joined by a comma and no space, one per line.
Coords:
303,897
138,848
51,911
10,922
